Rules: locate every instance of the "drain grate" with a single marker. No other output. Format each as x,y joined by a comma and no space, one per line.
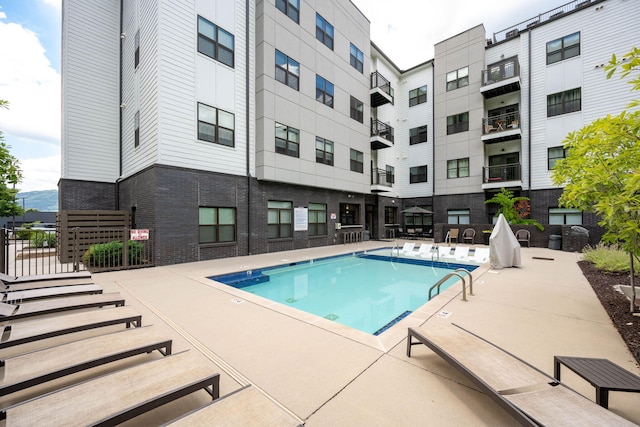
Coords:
332,316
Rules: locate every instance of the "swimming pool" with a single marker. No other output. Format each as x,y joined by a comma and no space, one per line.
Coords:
366,291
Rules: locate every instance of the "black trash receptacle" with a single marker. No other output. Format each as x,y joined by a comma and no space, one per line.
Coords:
555,242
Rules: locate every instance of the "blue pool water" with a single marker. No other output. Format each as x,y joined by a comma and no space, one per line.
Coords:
368,292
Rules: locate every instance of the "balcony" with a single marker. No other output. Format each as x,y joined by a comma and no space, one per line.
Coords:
501,128
507,175
381,135
381,181
501,78
381,90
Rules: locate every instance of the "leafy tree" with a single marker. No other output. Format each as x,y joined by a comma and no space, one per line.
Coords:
601,172
10,175
515,209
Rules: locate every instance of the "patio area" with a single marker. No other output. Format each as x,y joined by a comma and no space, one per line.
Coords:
327,374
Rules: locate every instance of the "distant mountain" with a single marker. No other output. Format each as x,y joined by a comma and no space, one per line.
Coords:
43,201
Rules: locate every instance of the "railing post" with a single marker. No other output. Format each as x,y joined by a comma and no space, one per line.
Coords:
4,251
75,250
125,248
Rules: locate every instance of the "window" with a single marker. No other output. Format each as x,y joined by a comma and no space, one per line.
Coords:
554,154
291,8
349,214
317,219
564,102
287,70
279,223
418,96
418,135
457,79
457,123
356,58
324,151
215,125
420,220
215,42
565,216
324,31
324,91
458,216
357,161
390,171
390,215
217,225
418,174
564,48
136,55
136,127
287,140
458,168
357,110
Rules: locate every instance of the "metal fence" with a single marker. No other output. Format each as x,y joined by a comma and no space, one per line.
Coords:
27,252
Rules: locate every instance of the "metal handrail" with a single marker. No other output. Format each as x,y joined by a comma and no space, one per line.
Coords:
464,283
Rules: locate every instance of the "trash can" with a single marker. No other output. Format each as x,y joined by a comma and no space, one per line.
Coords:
555,242
575,239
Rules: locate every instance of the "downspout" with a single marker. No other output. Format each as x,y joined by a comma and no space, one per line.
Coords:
117,187
529,114
248,120
433,138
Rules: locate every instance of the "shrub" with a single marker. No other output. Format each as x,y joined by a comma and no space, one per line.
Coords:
110,254
608,258
42,239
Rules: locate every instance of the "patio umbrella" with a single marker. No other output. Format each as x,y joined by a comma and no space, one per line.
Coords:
416,210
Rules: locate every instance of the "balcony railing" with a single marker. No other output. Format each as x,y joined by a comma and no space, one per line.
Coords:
501,173
382,130
380,84
501,71
500,123
381,177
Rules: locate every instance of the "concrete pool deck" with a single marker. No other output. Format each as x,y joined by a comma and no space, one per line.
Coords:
325,374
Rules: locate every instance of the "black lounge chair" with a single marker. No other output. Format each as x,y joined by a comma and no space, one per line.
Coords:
54,292
10,312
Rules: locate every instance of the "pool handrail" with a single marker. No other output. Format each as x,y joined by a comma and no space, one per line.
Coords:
456,272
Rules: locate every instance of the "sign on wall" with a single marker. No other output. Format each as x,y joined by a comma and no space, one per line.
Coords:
300,219
139,234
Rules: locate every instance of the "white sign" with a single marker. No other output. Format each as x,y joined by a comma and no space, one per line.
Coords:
301,219
139,234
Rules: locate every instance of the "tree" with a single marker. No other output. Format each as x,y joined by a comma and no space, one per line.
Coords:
10,176
515,209
601,172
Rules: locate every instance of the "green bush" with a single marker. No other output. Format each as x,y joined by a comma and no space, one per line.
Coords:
110,254
608,258
42,239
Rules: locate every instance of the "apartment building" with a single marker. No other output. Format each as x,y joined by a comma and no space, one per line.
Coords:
240,127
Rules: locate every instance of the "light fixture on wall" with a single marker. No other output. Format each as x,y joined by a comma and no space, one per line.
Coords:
123,105
123,35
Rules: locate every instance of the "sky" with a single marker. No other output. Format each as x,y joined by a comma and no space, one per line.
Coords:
405,30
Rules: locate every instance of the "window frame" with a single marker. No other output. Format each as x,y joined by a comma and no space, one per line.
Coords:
454,81
289,143
458,123
418,135
565,213
418,96
322,25
458,214
416,174
317,224
551,161
356,58
291,78
356,108
136,53
216,45
323,155
136,129
283,227
390,174
455,168
216,226
564,106
563,51
289,9
356,161
216,137
324,91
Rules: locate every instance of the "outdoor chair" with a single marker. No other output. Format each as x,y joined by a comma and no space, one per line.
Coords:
452,234
468,235
523,236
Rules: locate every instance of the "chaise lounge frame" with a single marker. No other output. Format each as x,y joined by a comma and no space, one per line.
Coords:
10,312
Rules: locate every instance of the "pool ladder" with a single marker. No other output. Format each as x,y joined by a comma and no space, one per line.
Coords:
458,272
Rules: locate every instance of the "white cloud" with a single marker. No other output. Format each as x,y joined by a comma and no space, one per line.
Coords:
40,174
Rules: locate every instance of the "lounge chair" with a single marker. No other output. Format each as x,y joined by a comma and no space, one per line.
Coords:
42,277
55,292
103,400
38,329
37,367
25,286
480,255
425,249
461,253
444,252
526,393
407,249
9,312
244,407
